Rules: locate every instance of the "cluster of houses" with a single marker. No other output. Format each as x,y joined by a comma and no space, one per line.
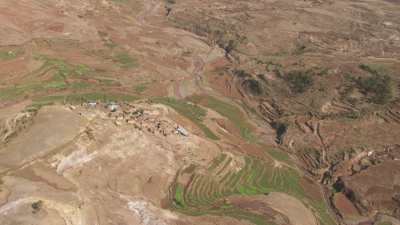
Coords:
113,107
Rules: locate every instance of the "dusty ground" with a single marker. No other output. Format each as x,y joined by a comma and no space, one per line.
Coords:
278,205
69,164
105,166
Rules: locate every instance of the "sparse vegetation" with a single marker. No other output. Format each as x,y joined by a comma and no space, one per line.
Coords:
385,223
205,193
218,32
125,60
108,82
60,70
37,206
374,69
322,210
140,88
85,97
376,87
63,68
253,86
241,73
229,111
15,91
80,85
299,81
279,155
277,68
300,98
217,161
281,128
169,5
12,54
108,42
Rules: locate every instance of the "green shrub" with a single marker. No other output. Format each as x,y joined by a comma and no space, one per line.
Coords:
253,86
124,60
376,87
140,88
299,81
373,69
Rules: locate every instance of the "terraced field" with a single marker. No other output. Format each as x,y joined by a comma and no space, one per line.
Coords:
230,111
199,191
274,111
54,74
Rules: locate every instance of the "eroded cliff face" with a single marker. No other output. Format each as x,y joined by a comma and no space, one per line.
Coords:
189,112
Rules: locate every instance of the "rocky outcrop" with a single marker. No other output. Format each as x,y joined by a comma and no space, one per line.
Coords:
11,126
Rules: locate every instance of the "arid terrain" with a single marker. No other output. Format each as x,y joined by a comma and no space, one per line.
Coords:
211,112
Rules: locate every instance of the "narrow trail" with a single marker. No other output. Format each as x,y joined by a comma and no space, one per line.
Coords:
150,8
197,80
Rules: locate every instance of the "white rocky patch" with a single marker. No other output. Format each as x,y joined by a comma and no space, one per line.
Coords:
142,210
76,158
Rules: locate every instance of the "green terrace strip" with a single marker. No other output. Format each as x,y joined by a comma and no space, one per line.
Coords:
206,190
217,161
229,111
13,92
62,67
322,210
108,82
79,85
279,155
60,71
124,60
189,110
140,88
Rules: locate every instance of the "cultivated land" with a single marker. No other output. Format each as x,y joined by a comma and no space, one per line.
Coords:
157,112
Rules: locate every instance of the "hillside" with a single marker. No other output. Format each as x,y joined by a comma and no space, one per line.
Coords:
206,112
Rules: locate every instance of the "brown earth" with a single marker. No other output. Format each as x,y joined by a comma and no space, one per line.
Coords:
279,206
78,163
345,206
107,163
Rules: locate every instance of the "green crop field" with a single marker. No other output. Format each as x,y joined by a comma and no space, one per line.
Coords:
35,83
205,193
231,112
279,155
124,60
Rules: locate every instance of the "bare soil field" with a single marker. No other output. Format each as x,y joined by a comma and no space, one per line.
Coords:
199,112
